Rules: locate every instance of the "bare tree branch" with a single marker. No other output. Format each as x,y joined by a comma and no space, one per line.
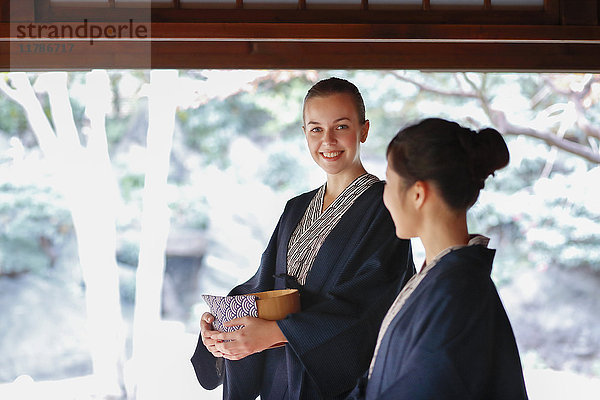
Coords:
582,120
584,124
55,84
577,97
548,82
587,88
478,91
499,119
431,89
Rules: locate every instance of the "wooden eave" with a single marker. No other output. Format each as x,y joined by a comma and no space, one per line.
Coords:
562,38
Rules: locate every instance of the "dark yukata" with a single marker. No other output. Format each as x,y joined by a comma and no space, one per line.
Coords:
354,277
449,339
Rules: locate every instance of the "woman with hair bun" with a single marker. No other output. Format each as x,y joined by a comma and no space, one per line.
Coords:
447,335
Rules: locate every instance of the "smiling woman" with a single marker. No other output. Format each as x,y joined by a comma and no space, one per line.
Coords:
334,244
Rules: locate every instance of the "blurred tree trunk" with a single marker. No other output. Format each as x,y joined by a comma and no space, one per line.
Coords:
155,228
85,177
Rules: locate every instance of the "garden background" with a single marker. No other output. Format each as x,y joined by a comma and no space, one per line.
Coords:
126,194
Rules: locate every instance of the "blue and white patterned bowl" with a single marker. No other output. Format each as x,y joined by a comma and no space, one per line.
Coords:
226,308
271,305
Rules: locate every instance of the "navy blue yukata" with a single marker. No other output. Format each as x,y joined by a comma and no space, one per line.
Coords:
451,339
358,271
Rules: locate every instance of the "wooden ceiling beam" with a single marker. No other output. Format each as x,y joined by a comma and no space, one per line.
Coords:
562,37
310,55
505,17
423,56
581,12
191,32
375,32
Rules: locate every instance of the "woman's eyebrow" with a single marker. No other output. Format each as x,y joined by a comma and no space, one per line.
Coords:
341,119
337,120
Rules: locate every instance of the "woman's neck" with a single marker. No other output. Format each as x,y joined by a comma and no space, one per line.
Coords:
443,230
336,183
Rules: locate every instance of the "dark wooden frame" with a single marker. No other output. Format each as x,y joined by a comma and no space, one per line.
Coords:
549,15
565,36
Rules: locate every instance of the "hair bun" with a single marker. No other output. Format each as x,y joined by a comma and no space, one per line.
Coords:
489,152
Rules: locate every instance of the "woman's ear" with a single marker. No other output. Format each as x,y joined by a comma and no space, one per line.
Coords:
420,192
364,132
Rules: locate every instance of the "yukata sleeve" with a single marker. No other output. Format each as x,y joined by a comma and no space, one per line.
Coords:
210,370
335,338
